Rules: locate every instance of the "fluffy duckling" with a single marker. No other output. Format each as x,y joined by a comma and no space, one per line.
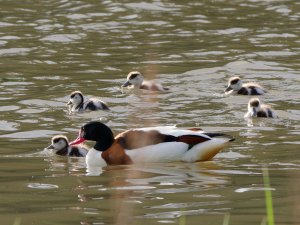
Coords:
256,109
136,80
60,145
77,103
235,85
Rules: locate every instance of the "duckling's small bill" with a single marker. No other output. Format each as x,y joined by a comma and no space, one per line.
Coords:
126,84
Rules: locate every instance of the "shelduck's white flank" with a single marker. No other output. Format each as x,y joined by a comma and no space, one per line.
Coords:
165,152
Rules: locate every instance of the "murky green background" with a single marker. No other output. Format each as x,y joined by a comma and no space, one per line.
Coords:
50,48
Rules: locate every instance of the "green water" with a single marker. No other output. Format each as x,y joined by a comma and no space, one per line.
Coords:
50,48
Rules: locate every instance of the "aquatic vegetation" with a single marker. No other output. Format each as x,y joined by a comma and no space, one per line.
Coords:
226,219
268,197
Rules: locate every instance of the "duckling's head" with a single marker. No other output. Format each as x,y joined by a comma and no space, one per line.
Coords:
76,98
254,106
234,83
58,143
134,78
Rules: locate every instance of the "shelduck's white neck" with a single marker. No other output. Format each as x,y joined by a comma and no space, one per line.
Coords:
94,159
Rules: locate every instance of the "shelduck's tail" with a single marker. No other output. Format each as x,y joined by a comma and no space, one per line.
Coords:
208,149
220,135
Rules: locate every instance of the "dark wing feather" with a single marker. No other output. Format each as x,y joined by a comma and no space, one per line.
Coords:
261,114
134,139
192,140
91,106
243,91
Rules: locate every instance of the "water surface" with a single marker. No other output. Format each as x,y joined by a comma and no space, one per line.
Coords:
50,48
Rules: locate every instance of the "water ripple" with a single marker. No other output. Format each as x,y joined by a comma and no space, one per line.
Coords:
64,38
8,126
31,134
14,51
42,186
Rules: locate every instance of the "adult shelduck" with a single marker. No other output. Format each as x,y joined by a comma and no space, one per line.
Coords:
60,146
256,109
154,144
136,80
77,103
236,86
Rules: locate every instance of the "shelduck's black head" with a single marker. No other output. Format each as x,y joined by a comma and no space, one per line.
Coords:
95,131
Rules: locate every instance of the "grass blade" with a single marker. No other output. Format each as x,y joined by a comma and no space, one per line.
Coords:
268,197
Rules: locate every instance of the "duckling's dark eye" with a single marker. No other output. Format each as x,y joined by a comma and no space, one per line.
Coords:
254,103
56,140
73,95
132,76
234,81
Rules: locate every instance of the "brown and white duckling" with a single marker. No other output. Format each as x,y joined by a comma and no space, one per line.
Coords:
256,109
236,86
136,80
60,145
77,103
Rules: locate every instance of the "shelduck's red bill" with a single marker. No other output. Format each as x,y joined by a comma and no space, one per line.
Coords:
77,141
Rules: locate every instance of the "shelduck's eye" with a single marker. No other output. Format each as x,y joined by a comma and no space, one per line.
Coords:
82,132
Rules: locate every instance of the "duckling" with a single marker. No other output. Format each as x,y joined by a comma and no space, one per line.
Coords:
60,145
256,109
235,85
136,80
77,103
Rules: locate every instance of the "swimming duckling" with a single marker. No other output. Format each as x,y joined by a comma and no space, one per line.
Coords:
136,80
235,85
256,109
77,103
60,145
